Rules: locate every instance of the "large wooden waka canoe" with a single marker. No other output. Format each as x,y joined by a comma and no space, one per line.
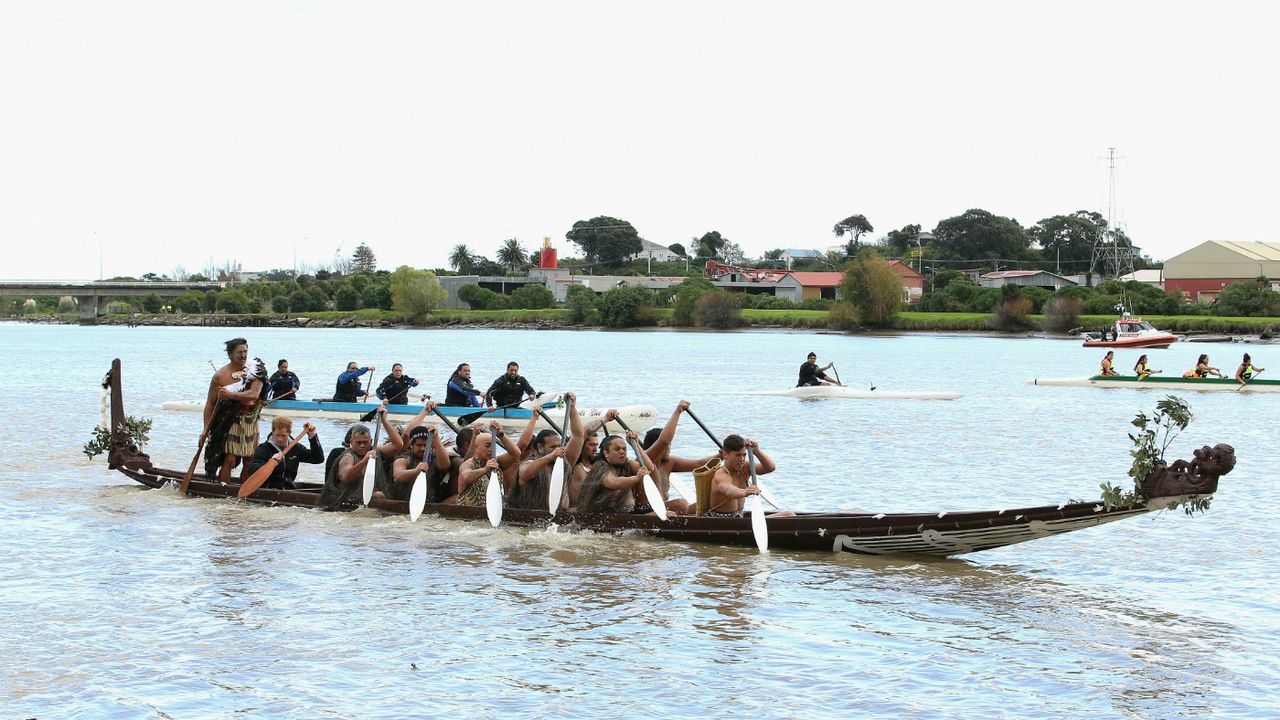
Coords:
939,533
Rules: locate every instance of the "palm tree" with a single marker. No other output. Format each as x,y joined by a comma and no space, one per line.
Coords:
513,255
461,259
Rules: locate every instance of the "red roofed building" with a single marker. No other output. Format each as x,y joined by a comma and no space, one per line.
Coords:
798,286
912,281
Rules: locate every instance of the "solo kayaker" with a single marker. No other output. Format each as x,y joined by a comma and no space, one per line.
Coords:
811,375
1247,370
1108,364
348,388
1202,369
1142,369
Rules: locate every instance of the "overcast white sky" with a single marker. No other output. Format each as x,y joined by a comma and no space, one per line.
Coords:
177,133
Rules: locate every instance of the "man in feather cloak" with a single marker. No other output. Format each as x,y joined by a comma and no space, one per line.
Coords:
231,412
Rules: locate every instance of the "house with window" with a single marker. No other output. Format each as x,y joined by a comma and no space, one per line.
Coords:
790,255
653,251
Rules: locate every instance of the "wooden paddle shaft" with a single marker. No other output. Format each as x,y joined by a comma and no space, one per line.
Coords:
714,439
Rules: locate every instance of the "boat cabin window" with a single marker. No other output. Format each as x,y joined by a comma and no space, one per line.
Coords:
1144,325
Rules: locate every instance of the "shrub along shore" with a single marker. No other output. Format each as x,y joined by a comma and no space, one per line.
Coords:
559,318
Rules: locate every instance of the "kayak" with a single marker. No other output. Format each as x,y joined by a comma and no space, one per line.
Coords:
833,391
1156,382
638,417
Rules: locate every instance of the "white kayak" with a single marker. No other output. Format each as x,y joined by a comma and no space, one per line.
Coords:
835,391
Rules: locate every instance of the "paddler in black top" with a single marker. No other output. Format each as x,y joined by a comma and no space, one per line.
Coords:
425,454
286,471
342,483
395,387
283,385
510,388
811,375
533,482
459,392
348,388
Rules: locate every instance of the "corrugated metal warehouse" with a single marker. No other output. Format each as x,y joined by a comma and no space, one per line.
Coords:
1201,272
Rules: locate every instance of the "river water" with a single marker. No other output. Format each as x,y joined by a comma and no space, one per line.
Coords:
118,601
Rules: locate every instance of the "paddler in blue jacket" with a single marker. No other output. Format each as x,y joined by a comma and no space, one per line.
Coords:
459,391
348,388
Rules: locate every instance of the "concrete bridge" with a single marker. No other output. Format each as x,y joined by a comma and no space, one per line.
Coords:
92,297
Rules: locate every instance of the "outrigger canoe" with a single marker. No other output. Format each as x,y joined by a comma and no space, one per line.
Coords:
638,417
938,533
1157,382
835,391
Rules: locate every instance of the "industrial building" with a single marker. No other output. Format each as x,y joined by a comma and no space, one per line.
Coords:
1201,272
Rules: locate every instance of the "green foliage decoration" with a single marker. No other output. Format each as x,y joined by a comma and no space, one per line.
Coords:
1155,433
137,428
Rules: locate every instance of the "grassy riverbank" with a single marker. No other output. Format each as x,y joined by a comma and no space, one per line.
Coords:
556,317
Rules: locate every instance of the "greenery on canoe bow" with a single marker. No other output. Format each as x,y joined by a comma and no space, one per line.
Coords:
137,428
1154,435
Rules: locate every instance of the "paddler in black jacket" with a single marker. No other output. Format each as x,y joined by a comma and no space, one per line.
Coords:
812,375
510,388
395,387
281,435
283,384
348,388
459,392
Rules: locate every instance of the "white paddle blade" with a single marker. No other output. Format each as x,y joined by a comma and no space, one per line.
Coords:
557,486
418,497
758,526
493,499
654,498
683,489
370,470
